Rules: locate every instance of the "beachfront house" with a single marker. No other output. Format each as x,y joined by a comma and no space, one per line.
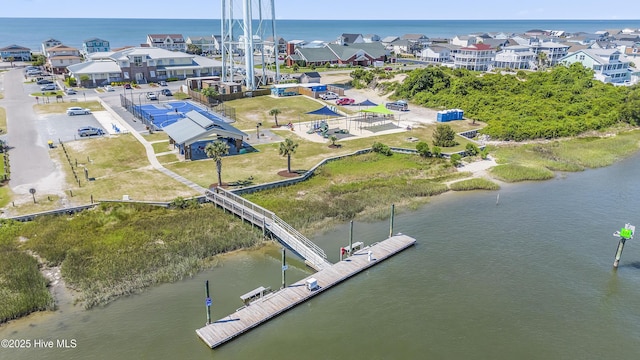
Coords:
607,64
95,45
206,44
348,39
401,46
143,65
515,57
61,56
476,57
172,42
15,52
369,38
49,44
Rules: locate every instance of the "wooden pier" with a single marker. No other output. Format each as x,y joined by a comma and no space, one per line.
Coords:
271,305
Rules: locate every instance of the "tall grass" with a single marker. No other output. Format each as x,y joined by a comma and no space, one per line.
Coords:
357,187
515,173
22,288
120,249
474,184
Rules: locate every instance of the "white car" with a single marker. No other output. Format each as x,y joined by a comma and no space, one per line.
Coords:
76,110
108,88
329,96
152,96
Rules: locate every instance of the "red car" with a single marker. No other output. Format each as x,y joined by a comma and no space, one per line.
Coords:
345,101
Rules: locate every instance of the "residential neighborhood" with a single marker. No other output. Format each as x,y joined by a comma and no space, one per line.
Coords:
611,54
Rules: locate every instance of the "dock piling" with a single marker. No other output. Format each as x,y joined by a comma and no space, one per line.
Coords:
393,208
624,234
284,268
208,302
350,237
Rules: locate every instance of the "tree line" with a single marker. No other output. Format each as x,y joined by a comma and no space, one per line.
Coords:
563,101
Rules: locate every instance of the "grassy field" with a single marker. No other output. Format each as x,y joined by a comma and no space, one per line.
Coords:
160,147
61,107
161,245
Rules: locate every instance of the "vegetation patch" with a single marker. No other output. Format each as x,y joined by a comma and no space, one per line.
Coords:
474,184
561,102
3,120
115,250
359,186
61,107
515,173
160,147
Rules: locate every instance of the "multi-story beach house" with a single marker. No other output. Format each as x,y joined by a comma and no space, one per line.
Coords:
142,65
348,39
553,51
172,42
476,57
436,54
61,56
206,44
606,63
94,45
15,52
49,44
271,48
515,57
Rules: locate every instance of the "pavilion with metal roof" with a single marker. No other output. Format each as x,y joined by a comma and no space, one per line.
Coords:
196,127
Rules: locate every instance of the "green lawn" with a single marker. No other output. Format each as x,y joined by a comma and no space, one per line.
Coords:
3,121
61,107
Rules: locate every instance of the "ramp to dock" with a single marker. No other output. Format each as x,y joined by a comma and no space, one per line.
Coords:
274,304
313,255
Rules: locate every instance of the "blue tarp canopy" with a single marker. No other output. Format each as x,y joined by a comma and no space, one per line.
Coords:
324,111
366,103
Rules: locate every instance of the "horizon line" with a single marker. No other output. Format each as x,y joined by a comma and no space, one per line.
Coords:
445,19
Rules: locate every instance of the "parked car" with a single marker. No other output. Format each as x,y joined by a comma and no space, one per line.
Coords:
345,101
108,88
49,87
163,83
70,91
44,82
388,68
329,96
33,72
127,86
89,131
152,96
166,92
400,105
76,110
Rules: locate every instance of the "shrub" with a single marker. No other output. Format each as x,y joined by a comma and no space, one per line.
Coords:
472,149
381,148
455,159
444,136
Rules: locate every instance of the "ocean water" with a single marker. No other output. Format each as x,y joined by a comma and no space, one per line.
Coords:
31,32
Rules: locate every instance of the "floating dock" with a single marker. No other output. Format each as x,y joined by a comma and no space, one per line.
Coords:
271,305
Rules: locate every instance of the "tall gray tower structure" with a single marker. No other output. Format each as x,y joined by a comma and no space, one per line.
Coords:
244,40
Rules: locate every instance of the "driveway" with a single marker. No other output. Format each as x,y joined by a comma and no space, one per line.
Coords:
31,166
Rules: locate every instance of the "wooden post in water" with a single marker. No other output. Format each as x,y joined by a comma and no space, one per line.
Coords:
393,207
284,268
625,234
350,237
208,302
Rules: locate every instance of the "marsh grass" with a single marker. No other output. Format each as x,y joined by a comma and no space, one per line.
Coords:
357,187
474,184
572,155
23,289
515,173
120,249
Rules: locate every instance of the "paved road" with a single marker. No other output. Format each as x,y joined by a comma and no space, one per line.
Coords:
31,166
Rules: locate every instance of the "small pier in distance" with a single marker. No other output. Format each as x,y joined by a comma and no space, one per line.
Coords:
273,304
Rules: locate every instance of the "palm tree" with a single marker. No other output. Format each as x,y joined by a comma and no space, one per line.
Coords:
275,112
287,148
11,60
542,59
216,150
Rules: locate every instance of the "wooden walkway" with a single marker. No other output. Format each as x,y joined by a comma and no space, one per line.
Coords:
313,255
274,304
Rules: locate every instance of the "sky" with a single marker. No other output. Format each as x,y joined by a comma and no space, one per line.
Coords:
334,10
